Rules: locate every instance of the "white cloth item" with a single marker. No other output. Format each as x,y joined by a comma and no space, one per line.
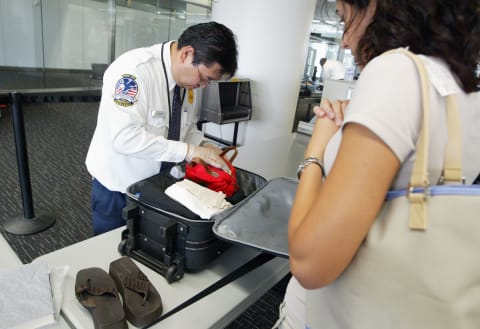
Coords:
26,297
292,309
129,142
57,280
200,200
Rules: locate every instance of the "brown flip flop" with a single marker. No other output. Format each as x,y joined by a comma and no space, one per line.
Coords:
141,301
96,291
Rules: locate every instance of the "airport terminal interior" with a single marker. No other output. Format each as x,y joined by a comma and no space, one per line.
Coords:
58,136
58,130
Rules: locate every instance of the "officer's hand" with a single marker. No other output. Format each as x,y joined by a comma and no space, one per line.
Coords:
210,154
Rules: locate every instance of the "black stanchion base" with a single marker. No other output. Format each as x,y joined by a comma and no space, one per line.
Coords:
23,226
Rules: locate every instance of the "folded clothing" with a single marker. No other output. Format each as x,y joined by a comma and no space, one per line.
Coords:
200,200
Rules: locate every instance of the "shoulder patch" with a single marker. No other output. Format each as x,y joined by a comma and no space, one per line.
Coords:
126,90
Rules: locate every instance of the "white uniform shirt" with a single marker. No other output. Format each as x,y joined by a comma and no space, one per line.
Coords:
130,142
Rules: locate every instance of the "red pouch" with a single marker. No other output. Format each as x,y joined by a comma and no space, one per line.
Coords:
214,178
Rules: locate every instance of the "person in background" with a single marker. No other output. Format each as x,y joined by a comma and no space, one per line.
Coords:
368,146
141,93
332,69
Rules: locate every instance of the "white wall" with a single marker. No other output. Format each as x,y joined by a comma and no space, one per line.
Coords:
273,41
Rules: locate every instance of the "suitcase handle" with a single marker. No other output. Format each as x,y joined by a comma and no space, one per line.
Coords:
171,273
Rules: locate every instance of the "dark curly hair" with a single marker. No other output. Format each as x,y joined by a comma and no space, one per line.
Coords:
449,30
213,42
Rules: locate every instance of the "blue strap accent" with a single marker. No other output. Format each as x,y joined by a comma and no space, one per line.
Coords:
438,190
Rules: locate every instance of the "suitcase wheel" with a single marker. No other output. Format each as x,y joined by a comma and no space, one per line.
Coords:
171,274
122,247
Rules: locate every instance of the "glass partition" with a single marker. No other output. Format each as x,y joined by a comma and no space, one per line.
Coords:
40,39
325,39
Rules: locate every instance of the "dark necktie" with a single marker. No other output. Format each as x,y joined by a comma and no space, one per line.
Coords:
174,123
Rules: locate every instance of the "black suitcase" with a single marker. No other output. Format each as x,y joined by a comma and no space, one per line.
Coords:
166,236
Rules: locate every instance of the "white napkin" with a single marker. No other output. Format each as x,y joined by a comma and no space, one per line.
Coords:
200,200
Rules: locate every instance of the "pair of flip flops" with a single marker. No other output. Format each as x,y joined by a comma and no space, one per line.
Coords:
98,291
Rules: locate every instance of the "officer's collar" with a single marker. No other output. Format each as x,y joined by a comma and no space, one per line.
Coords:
168,64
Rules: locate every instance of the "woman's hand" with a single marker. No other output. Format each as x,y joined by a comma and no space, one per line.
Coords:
329,120
333,110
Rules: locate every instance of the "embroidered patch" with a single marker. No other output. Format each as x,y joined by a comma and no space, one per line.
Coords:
126,90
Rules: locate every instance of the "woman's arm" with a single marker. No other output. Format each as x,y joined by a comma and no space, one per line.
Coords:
329,220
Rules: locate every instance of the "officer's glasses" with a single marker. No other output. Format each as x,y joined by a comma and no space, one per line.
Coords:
203,80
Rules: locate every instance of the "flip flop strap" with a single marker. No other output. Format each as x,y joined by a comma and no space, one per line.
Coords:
139,284
86,289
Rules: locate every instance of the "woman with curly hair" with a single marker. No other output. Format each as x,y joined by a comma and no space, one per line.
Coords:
368,147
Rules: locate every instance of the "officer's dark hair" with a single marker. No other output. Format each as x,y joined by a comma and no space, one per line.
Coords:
213,42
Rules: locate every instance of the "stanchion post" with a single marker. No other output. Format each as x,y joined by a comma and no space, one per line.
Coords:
22,155
28,224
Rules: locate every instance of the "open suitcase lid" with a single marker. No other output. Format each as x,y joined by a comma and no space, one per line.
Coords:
261,220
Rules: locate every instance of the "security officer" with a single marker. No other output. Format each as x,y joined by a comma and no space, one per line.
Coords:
332,69
137,114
